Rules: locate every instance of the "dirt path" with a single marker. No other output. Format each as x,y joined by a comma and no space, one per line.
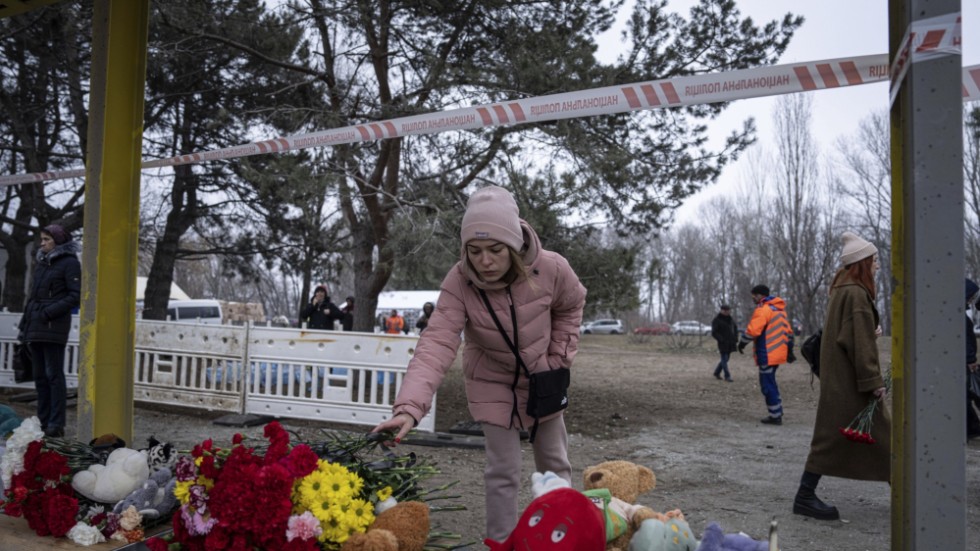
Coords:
656,403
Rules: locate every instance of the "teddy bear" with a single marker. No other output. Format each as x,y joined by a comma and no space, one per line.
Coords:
561,519
404,527
615,486
125,470
155,498
670,534
713,539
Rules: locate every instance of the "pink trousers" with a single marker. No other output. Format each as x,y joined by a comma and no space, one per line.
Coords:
502,476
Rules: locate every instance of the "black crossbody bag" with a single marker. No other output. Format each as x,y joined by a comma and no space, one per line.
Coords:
548,390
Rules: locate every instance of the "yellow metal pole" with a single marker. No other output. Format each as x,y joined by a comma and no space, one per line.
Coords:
112,186
899,485
899,512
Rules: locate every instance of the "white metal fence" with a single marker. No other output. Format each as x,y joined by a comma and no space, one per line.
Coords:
334,376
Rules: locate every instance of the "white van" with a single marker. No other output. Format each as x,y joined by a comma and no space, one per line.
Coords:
195,311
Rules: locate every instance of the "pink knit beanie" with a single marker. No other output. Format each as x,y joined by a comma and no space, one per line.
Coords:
491,213
855,249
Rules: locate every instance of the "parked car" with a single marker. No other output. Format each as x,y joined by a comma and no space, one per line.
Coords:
603,327
690,328
207,311
653,329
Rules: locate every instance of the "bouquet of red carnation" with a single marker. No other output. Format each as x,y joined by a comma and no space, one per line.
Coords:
290,496
238,498
42,492
859,430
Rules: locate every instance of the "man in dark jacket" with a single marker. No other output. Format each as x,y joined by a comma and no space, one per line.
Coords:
55,291
348,311
972,420
320,313
724,331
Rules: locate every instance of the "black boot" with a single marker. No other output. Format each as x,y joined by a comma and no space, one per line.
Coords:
808,504
54,432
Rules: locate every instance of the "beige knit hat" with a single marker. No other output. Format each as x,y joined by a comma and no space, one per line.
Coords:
491,213
855,249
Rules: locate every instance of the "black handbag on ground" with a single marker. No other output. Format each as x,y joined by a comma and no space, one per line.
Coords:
547,390
23,367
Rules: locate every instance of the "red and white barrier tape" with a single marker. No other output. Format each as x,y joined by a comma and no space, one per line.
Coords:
657,94
926,39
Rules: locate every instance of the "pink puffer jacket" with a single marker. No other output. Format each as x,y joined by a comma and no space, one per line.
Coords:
549,312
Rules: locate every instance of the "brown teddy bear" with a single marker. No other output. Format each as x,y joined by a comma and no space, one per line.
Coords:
404,527
619,484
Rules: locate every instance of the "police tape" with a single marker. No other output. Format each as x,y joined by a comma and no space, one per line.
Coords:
656,94
924,40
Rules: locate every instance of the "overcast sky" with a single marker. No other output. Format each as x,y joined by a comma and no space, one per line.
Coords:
833,28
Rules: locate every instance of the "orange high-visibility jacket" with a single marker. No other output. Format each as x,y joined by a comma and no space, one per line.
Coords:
770,330
394,325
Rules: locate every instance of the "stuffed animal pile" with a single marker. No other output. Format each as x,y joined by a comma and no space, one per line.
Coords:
138,478
558,520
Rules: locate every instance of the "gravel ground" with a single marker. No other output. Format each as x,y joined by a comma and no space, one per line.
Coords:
652,401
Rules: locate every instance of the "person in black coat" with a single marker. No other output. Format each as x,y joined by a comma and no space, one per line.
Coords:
348,311
423,320
724,331
972,420
320,313
55,291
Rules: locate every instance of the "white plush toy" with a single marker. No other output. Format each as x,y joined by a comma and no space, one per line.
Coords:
124,471
542,483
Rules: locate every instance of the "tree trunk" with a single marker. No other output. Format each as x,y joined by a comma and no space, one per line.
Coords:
17,245
371,278
179,220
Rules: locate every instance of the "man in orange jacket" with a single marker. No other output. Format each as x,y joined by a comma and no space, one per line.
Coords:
770,330
394,324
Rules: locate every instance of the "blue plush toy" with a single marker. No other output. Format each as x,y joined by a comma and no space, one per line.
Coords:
714,539
671,534
9,420
155,498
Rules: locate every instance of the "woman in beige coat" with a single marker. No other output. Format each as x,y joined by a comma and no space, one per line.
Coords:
850,377
531,290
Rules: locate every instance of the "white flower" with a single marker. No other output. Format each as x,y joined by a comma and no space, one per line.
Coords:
13,459
85,534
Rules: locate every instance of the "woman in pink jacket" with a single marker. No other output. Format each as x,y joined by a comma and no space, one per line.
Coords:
530,289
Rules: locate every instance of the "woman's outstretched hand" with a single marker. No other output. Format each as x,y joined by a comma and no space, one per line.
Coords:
399,424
